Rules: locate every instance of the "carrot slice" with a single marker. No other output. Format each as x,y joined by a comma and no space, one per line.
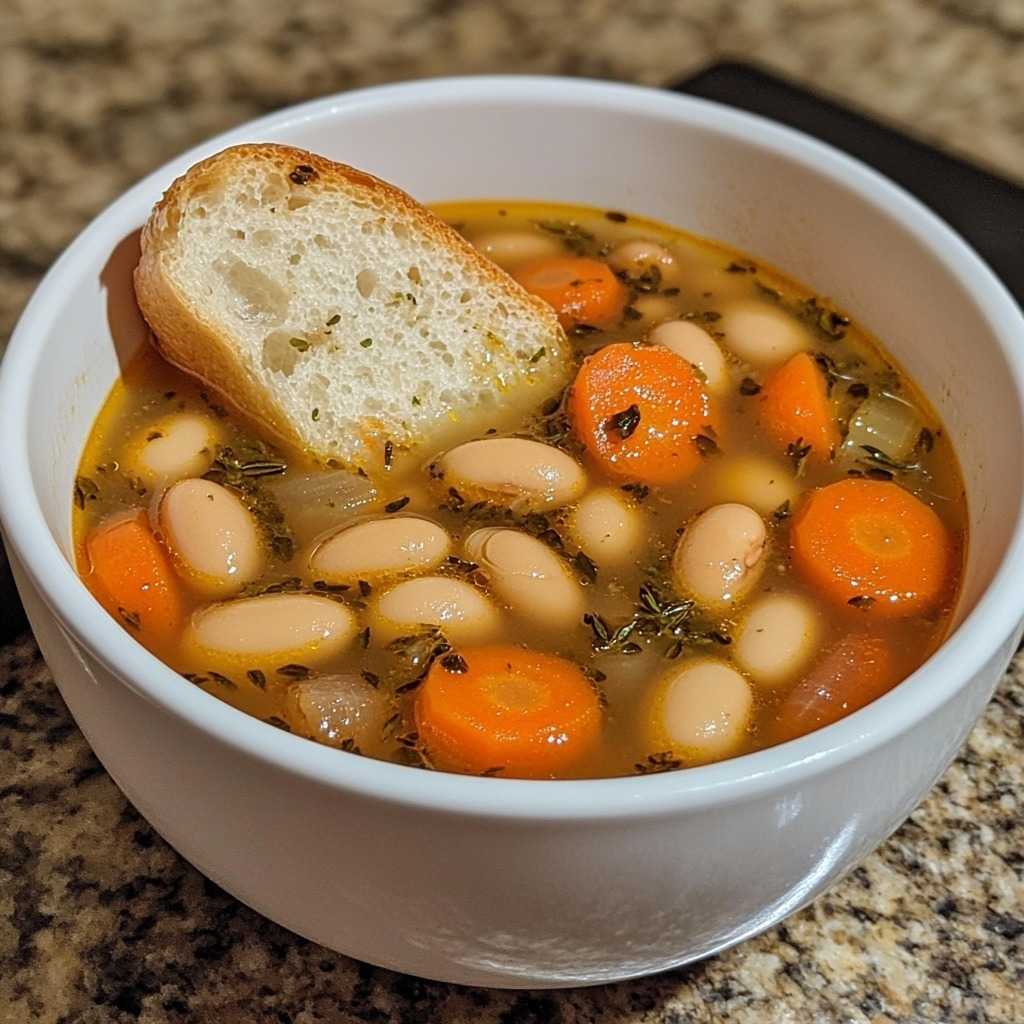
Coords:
640,413
872,545
530,714
132,577
856,671
581,291
795,409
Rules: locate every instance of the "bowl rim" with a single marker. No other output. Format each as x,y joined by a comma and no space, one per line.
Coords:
964,653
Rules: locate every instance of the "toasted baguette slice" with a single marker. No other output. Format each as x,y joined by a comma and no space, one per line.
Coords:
337,312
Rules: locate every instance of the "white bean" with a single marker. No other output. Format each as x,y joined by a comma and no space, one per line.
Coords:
755,480
697,347
212,536
512,248
175,447
370,550
514,470
641,254
455,607
777,638
720,556
336,709
528,576
272,630
608,527
760,334
702,710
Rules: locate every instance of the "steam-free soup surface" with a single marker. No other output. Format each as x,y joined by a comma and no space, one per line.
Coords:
739,523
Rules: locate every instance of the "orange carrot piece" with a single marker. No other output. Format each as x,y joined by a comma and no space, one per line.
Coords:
581,291
640,411
132,577
529,714
872,545
856,671
795,410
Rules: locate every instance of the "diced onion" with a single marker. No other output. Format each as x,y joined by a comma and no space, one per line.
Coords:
885,423
313,503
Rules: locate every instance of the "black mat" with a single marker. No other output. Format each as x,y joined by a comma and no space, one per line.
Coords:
986,209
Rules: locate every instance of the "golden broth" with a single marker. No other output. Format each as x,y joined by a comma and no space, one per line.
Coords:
708,280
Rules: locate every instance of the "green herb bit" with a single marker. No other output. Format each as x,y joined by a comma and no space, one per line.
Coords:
858,389
389,453
925,441
366,343
288,585
364,588
497,769
397,505
315,415
221,680
749,387
293,671
702,316
707,446
783,512
741,267
539,354
282,546
85,490
461,564
131,619
278,723
653,764
573,236
638,491
454,664
585,567
861,601
348,745
631,313
768,292
798,452
364,638
370,677
624,423
416,400
334,319
257,678
647,281
582,330
299,344
616,217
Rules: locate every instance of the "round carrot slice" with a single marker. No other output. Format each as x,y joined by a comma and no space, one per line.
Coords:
641,413
795,409
872,545
581,291
531,715
854,672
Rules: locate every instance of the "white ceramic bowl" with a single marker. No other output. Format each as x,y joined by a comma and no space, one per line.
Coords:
499,882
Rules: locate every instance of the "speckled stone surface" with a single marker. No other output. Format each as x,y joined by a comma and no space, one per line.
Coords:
99,920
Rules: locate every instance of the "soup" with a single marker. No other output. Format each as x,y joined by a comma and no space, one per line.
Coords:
739,523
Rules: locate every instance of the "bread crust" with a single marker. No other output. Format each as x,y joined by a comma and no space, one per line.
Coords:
187,341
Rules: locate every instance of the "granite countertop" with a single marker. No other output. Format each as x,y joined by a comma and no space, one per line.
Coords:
100,921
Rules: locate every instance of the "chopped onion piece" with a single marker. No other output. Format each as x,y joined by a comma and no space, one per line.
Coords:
886,423
315,502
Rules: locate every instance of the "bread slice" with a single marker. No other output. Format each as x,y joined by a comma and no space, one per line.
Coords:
337,312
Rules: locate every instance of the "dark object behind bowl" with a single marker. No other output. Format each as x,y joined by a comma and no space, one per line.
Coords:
986,209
